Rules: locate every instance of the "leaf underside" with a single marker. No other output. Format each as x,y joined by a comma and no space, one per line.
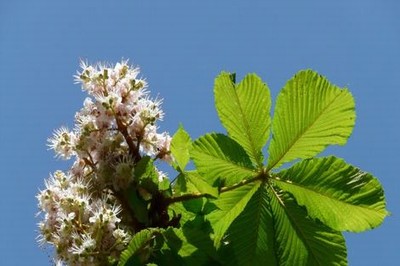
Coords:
244,111
302,241
310,114
230,204
219,158
338,194
180,146
200,185
251,235
139,240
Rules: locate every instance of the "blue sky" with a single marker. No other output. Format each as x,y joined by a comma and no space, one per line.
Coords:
181,46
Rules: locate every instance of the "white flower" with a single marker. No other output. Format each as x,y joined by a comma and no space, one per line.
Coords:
103,214
85,245
59,263
121,237
62,143
161,176
163,146
81,214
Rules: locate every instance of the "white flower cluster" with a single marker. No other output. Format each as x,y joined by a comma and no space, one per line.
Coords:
82,213
85,230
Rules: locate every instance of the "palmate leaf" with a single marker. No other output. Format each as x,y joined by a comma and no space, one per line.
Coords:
251,235
310,114
244,111
230,205
300,240
219,158
340,195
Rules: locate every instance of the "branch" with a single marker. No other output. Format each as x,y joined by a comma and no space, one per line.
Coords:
241,183
185,197
133,150
261,176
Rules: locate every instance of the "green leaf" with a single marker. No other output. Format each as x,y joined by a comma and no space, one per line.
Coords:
164,185
340,195
186,212
230,205
144,168
310,114
180,146
302,241
192,244
138,247
244,111
251,235
220,159
200,184
137,204
147,176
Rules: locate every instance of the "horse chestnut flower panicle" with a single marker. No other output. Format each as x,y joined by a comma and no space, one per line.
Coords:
82,214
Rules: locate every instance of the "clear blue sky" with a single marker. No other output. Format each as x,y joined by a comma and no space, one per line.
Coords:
181,46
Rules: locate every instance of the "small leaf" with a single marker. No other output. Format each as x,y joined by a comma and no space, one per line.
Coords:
137,245
302,241
230,205
187,213
138,205
180,186
164,185
200,184
244,111
145,169
340,195
180,146
310,114
146,175
218,159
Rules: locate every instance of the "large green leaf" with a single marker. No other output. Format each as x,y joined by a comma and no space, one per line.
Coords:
340,195
230,205
192,244
310,114
138,248
244,111
300,240
180,146
251,235
220,159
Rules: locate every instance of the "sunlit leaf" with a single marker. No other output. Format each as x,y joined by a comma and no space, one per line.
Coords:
310,114
251,236
136,247
340,195
244,110
180,146
218,159
230,205
300,240
200,184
